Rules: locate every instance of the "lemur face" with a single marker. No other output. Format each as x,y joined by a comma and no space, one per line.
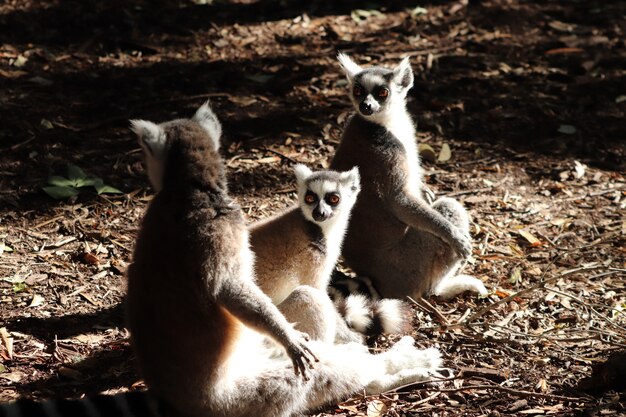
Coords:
375,90
326,195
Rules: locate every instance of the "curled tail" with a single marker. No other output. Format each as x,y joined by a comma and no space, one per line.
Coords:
358,302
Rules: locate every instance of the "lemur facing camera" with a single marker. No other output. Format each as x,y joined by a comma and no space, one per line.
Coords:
199,322
406,246
301,245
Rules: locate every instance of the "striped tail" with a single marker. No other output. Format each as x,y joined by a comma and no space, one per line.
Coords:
131,404
359,304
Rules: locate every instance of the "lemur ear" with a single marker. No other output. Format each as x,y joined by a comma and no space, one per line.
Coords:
352,178
302,173
350,67
403,74
151,137
209,122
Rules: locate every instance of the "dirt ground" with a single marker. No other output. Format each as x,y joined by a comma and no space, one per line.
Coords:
530,97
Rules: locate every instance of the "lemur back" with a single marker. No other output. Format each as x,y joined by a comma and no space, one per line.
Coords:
301,246
396,238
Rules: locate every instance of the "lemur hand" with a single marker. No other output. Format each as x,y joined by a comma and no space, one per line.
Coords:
461,243
299,353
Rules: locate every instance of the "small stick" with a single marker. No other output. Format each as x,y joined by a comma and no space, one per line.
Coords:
430,308
518,393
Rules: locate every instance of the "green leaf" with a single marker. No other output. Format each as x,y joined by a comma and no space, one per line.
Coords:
445,154
60,193
88,182
567,129
260,78
2,368
107,189
5,248
418,11
75,173
19,287
516,276
60,181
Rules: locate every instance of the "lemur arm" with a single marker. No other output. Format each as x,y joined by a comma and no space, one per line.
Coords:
418,214
245,300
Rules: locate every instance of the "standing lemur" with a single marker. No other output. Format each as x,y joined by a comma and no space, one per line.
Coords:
406,246
301,246
197,318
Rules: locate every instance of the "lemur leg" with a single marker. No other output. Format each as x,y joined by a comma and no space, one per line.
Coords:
420,264
312,312
342,371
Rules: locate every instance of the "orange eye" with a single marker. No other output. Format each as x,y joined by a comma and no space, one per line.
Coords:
309,199
333,199
357,91
383,93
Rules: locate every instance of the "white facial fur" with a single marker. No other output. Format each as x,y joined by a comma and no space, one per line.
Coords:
345,184
392,114
153,140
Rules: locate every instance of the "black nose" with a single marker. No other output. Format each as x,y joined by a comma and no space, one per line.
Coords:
319,215
365,108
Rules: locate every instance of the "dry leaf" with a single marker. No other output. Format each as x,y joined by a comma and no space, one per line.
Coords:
532,240
427,152
445,154
579,169
7,340
14,376
376,408
36,301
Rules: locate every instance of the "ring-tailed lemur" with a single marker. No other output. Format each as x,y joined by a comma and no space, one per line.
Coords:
406,246
197,319
301,245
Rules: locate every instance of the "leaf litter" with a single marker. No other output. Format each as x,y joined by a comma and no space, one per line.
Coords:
530,121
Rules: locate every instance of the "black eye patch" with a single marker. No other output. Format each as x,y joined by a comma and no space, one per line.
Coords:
310,197
332,199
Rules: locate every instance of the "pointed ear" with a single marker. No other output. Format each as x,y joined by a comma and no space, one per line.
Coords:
350,67
151,137
403,74
302,173
352,178
209,122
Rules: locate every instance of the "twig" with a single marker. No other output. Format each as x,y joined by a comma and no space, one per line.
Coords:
293,161
420,302
518,393
539,285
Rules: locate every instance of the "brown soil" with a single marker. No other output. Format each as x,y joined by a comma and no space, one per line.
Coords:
529,95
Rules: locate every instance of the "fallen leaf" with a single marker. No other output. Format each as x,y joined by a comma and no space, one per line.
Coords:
567,129
502,294
36,301
7,340
579,169
516,276
427,152
90,258
376,408
534,242
14,376
445,154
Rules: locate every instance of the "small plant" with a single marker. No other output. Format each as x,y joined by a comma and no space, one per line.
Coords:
61,188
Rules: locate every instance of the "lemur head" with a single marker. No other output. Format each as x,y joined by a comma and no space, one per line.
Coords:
377,91
155,139
325,196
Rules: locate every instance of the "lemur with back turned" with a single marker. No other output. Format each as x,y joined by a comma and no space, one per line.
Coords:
406,246
301,246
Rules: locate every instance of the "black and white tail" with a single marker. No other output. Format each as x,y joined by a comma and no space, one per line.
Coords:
360,305
131,404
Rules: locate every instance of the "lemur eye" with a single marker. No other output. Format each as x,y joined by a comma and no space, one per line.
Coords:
333,199
383,93
310,198
357,91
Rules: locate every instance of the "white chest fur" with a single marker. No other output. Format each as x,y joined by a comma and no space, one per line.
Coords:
401,126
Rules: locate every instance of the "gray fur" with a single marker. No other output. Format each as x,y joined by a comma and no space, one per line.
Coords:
396,238
198,320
